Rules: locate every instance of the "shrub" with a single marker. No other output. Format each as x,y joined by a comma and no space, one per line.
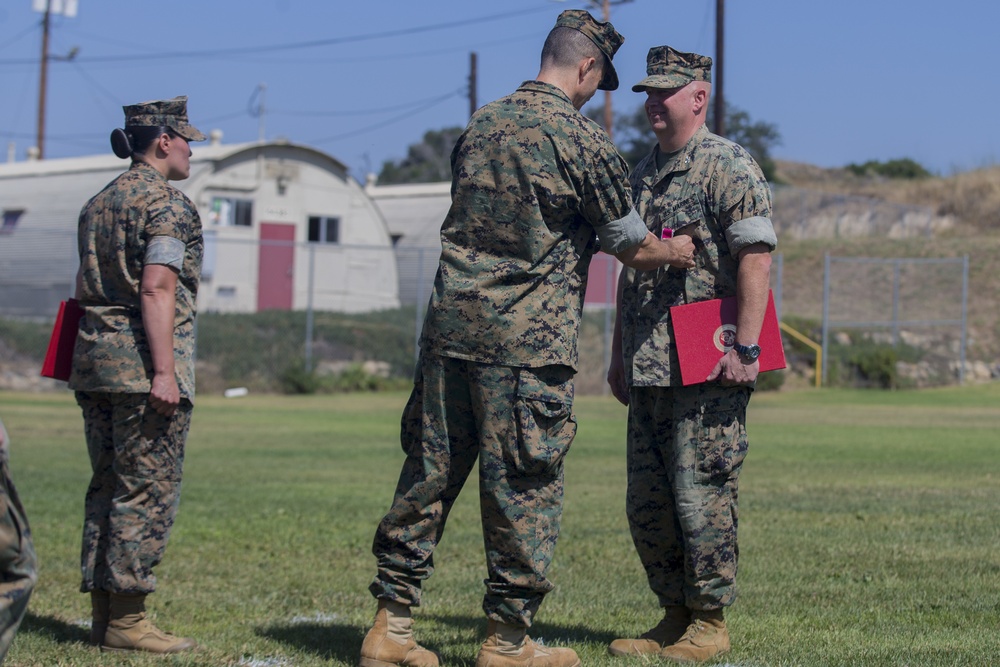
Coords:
903,168
770,381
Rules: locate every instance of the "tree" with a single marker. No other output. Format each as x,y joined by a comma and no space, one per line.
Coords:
426,162
634,138
632,135
757,137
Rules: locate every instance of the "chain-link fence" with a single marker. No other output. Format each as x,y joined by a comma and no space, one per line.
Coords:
276,315
320,311
900,321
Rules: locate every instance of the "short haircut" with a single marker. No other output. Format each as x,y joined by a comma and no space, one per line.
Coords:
565,47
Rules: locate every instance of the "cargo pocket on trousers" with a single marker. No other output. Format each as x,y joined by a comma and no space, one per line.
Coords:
546,425
723,443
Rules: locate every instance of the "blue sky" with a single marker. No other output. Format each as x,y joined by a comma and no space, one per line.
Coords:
844,81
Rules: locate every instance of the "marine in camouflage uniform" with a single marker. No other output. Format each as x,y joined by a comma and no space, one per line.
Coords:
537,189
18,564
136,444
686,445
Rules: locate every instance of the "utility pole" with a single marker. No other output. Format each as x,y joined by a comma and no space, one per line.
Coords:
43,81
720,100
261,111
608,115
47,7
473,79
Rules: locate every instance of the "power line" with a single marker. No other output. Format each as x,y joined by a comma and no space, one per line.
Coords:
365,112
390,121
253,50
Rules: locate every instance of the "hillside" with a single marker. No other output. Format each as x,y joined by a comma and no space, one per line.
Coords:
970,200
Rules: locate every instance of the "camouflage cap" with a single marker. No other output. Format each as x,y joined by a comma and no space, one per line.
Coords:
601,33
163,113
667,68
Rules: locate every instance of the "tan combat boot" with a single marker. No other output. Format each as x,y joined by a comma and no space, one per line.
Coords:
100,602
705,638
130,630
670,629
390,642
510,646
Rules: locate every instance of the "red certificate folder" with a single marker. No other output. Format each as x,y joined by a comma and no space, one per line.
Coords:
59,358
706,330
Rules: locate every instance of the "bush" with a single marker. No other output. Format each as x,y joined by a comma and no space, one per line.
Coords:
867,363
904,168
770,381
876,366
297,380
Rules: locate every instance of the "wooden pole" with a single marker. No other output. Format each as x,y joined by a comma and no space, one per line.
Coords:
720,100
43,82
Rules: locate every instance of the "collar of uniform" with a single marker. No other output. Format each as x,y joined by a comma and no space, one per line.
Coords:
139,165
682,159
542,87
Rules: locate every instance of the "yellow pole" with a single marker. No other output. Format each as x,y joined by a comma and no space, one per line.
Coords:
815,346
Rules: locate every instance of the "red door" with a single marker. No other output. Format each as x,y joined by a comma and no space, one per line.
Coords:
276,266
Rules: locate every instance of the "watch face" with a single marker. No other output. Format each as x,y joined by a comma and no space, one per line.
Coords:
751,352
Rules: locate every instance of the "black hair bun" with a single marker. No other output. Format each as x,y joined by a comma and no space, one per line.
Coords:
120,143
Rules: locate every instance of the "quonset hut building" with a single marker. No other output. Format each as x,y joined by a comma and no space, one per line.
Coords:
285,227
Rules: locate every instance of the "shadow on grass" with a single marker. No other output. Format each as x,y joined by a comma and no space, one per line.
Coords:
326,640
341,642
54,629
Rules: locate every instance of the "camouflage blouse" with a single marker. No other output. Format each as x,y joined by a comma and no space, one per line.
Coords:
533,183
714,188
112,352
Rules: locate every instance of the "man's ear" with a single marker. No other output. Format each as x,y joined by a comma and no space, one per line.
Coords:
586,66
700,98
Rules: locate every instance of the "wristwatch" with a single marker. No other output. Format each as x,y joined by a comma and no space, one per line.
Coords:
750,352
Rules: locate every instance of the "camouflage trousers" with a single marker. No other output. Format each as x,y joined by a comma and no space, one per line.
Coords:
519,422
18,565
137,456
686,447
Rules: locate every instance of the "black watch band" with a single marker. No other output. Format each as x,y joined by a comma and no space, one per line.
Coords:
750,352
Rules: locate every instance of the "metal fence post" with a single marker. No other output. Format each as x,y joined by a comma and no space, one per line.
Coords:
421,300
965,316
609,272
309,308
826,315
895,302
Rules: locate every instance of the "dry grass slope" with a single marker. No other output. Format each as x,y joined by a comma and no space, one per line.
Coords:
971,198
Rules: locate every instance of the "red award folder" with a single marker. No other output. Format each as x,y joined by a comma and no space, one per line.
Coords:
706,330
59,357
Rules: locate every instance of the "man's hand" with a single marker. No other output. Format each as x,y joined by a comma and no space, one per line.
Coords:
164,394
733,370
616,380
652,253
682,250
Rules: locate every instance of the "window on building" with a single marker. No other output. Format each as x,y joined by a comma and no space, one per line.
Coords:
232,212
11,217
324,229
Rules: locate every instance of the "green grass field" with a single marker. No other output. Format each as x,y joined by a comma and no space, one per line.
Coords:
870,534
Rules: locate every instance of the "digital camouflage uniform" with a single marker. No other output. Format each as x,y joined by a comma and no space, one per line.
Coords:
136,454
686,444
535,184
18,565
